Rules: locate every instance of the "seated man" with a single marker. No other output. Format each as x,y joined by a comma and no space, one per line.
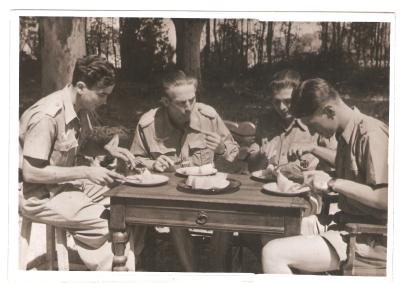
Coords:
55,190
285,141
362,179
182,131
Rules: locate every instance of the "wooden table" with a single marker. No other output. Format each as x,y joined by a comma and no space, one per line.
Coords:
247,210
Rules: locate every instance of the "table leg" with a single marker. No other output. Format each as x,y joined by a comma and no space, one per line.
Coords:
119,234
293,223
119,240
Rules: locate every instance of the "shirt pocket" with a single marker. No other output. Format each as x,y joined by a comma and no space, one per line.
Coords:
64,151
199,153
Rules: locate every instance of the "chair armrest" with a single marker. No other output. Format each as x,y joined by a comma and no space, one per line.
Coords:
358,228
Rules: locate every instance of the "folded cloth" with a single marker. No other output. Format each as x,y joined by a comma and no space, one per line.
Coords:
315,201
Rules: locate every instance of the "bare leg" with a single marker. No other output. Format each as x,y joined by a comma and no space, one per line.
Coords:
307,253
184,247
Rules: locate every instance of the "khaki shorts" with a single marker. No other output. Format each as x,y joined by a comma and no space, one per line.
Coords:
370,250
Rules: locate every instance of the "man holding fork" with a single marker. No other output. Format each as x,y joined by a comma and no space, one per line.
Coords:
182,132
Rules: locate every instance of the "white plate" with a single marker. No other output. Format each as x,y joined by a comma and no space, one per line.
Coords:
273,188
182,171
153,180
260,176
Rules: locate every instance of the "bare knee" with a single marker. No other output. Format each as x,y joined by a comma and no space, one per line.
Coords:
272,251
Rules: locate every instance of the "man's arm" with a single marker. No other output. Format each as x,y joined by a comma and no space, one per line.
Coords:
37,149
324,153
364,194
36,171
231,146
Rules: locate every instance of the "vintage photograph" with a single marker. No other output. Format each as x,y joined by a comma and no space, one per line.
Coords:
232,145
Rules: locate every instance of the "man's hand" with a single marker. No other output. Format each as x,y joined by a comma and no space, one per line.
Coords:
102,176
318,180
215,142
120,152
268,149
163,163
299,149
254,149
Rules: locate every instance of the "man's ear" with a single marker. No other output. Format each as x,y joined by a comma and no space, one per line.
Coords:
164,101
80,86
329,111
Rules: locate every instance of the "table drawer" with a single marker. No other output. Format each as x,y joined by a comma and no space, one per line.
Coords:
271,222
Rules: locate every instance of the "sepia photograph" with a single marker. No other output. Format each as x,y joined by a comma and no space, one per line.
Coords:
210,145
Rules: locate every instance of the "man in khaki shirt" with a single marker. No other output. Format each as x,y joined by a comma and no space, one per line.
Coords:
362,184
55,190
182,131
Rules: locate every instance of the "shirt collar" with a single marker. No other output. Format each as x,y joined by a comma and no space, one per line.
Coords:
195,123
348,130
296,122
69,110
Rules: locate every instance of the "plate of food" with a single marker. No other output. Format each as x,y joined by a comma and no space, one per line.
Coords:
204,170
146,179
209,185
265,175
284,186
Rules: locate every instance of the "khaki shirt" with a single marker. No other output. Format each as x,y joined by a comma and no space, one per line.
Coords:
271,130
155,135
362,156
50,130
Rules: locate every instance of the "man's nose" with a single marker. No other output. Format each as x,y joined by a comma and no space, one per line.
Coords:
282,106
187,105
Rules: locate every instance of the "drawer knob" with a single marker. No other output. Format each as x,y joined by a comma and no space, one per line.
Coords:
202,218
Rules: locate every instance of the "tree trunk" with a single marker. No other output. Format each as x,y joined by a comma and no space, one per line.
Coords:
63,41
247,43
333,44
188,34
127,28
217,49
113,42
99,36
324,38
261,44
378,44
287,47
207,47
241,46
269,41
349,39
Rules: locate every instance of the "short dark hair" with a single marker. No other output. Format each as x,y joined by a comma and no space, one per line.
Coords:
177,78
95,71
310,95
284,79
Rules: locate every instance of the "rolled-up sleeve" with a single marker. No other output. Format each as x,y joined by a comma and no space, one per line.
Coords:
375,155
39,138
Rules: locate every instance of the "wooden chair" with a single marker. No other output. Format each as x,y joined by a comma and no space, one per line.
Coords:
355,230
56,257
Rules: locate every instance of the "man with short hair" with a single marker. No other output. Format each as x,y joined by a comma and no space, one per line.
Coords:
55,190
182,131
362,183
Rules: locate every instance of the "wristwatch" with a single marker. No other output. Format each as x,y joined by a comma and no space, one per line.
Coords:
331,185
